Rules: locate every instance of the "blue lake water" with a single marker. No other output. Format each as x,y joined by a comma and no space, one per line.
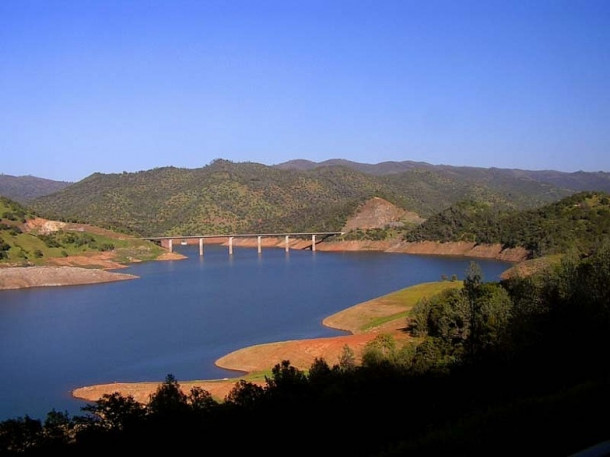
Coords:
180,316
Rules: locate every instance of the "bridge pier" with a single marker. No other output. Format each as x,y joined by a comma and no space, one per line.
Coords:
201,246
287,240
230,245
259,244
170,245
313,243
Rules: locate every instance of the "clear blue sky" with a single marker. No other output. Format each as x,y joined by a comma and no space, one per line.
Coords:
116,85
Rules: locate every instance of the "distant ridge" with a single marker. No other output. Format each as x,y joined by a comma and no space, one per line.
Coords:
22,189
378,169
247,197
577,181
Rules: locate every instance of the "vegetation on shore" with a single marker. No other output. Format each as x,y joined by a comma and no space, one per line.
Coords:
580,221
509,368
21,244
226,197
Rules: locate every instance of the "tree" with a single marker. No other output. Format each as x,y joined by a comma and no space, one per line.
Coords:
200,400
245,394
168,400
20,435
474,277
285,376
380,350
57,428
492,312
472,283
319,371
114,411
347,359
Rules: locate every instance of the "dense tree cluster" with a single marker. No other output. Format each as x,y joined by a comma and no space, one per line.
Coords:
581,221
511,368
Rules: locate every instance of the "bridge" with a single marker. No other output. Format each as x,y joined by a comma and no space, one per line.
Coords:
316,237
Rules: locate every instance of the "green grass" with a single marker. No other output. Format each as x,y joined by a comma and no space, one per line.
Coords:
26,248
382,320
411,295
408,298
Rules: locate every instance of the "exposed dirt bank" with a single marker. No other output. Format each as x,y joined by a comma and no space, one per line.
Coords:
102,260
379,213
22,277
70,271
459,248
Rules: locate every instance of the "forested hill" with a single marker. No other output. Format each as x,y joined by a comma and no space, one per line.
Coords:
581,221
226,197
25,188
577,181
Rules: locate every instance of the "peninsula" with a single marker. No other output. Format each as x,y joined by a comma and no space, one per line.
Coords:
365,321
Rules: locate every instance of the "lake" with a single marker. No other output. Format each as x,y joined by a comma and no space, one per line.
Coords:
181,316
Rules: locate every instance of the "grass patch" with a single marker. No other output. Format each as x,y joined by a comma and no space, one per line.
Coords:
393,306
411,295
382,320
37,249
405,298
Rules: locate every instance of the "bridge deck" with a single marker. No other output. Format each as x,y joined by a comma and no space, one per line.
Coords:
239,235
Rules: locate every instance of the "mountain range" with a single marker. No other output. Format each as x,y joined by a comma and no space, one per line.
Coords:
228,197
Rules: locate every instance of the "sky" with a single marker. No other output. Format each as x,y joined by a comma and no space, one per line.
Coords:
117,85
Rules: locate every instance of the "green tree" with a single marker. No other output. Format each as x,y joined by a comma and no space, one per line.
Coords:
347,359
492,313
380,350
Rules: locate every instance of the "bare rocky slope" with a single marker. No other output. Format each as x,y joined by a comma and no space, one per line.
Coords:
379,213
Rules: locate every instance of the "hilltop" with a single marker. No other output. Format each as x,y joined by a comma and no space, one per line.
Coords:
226,197
577,181
22,189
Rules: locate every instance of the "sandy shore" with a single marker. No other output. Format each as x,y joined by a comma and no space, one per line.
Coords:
358,320
23,277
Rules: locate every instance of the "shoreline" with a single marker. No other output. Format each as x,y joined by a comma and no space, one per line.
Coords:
451,248
13,278
77,270
70,271
360,320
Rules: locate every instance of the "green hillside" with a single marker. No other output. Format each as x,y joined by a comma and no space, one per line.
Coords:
25,188
226,197
577,181
581,221
24,245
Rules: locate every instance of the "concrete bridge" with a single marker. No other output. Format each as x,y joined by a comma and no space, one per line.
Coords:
316,237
